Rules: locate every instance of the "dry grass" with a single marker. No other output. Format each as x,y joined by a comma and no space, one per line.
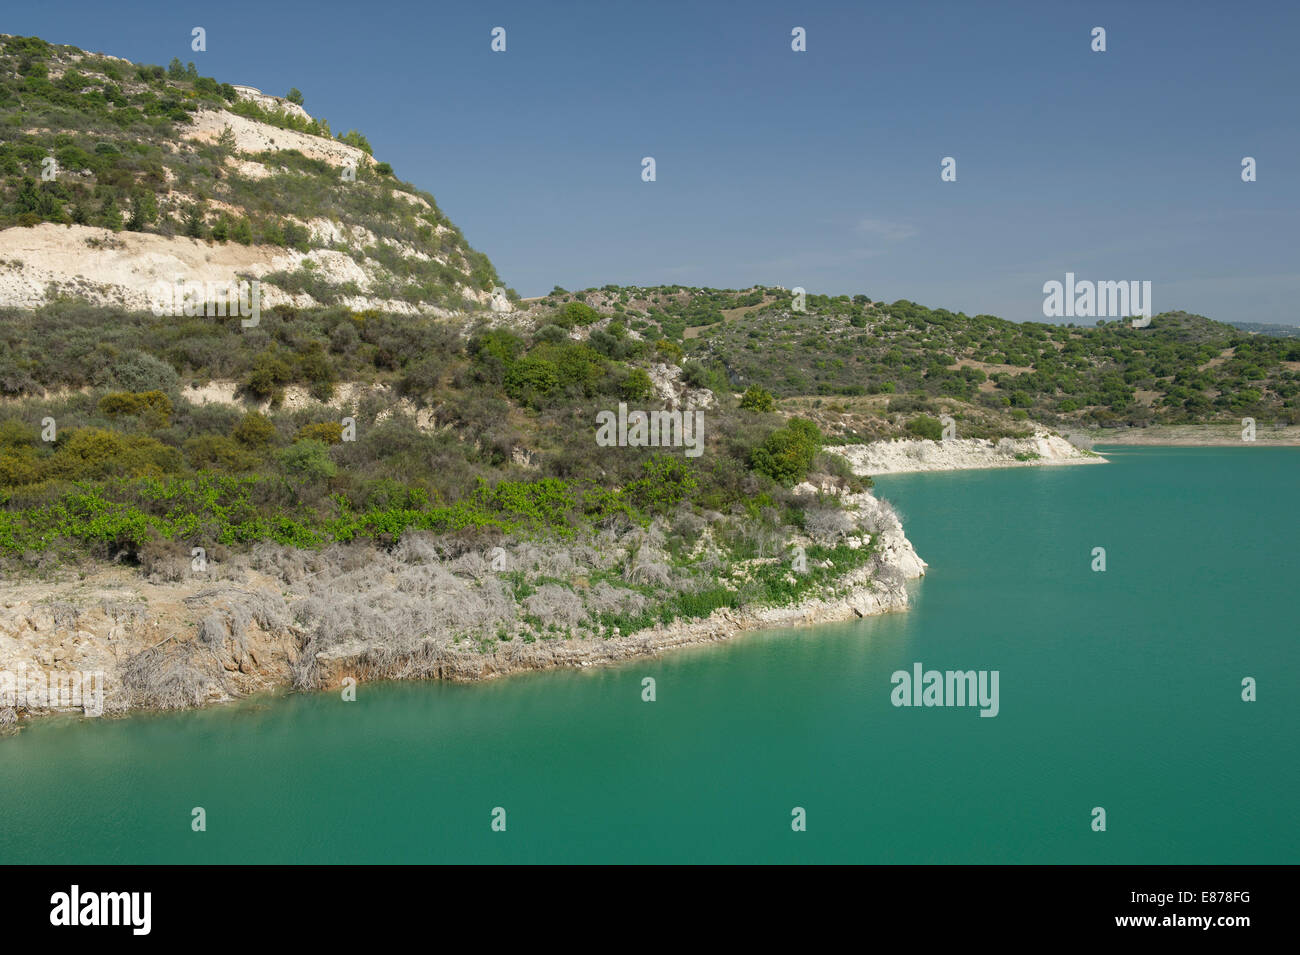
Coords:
172,675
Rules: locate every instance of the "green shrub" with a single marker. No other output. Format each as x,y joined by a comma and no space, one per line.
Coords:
269,375
787,454
668,352
576,314
218,452
531,379
308,460
664,483
757,399
637,386
327,432
140,371
152,406
923,426
93,453
255,430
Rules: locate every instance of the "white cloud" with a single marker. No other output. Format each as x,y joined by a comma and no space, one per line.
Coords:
886,230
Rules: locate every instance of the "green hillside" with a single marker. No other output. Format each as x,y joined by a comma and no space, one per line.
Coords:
1181,368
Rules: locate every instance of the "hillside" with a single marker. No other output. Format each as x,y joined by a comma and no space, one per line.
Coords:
170,176
1180,369
204,511
1268,328
380,474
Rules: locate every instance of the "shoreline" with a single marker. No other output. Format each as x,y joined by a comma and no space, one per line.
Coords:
104,623
912,456
1195,436
861,600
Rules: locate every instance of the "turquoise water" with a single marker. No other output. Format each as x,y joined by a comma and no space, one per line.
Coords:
1118,689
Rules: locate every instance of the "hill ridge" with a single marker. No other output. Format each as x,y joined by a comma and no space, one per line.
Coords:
115,147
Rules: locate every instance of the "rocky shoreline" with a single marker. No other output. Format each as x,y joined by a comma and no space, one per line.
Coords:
116,621
964,454
861,599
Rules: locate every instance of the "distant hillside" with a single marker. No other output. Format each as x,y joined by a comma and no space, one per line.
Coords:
1264,328
1181,368
165,174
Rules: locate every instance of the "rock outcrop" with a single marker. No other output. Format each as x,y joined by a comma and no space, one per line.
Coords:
958,454
170,638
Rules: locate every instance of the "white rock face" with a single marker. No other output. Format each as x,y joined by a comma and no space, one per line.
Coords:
897,457
336,267
894,548
246,168
269,102
894,552
254,137
413,200
123,268
126,268
346,398
669,388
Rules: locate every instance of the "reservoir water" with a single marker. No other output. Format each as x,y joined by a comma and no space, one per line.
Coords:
1119,689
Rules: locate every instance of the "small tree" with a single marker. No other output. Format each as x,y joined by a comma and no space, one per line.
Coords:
757,399
354,138
637,386
924,426
295,96
268,375
787,453
111,215
255,430
194,222
226,140
144,211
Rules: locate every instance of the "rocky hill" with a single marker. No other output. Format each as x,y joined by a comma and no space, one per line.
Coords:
116,177
383,474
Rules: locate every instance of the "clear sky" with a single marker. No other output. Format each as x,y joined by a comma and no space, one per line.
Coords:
817,169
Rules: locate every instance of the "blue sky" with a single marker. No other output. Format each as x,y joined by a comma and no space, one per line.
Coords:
817,169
